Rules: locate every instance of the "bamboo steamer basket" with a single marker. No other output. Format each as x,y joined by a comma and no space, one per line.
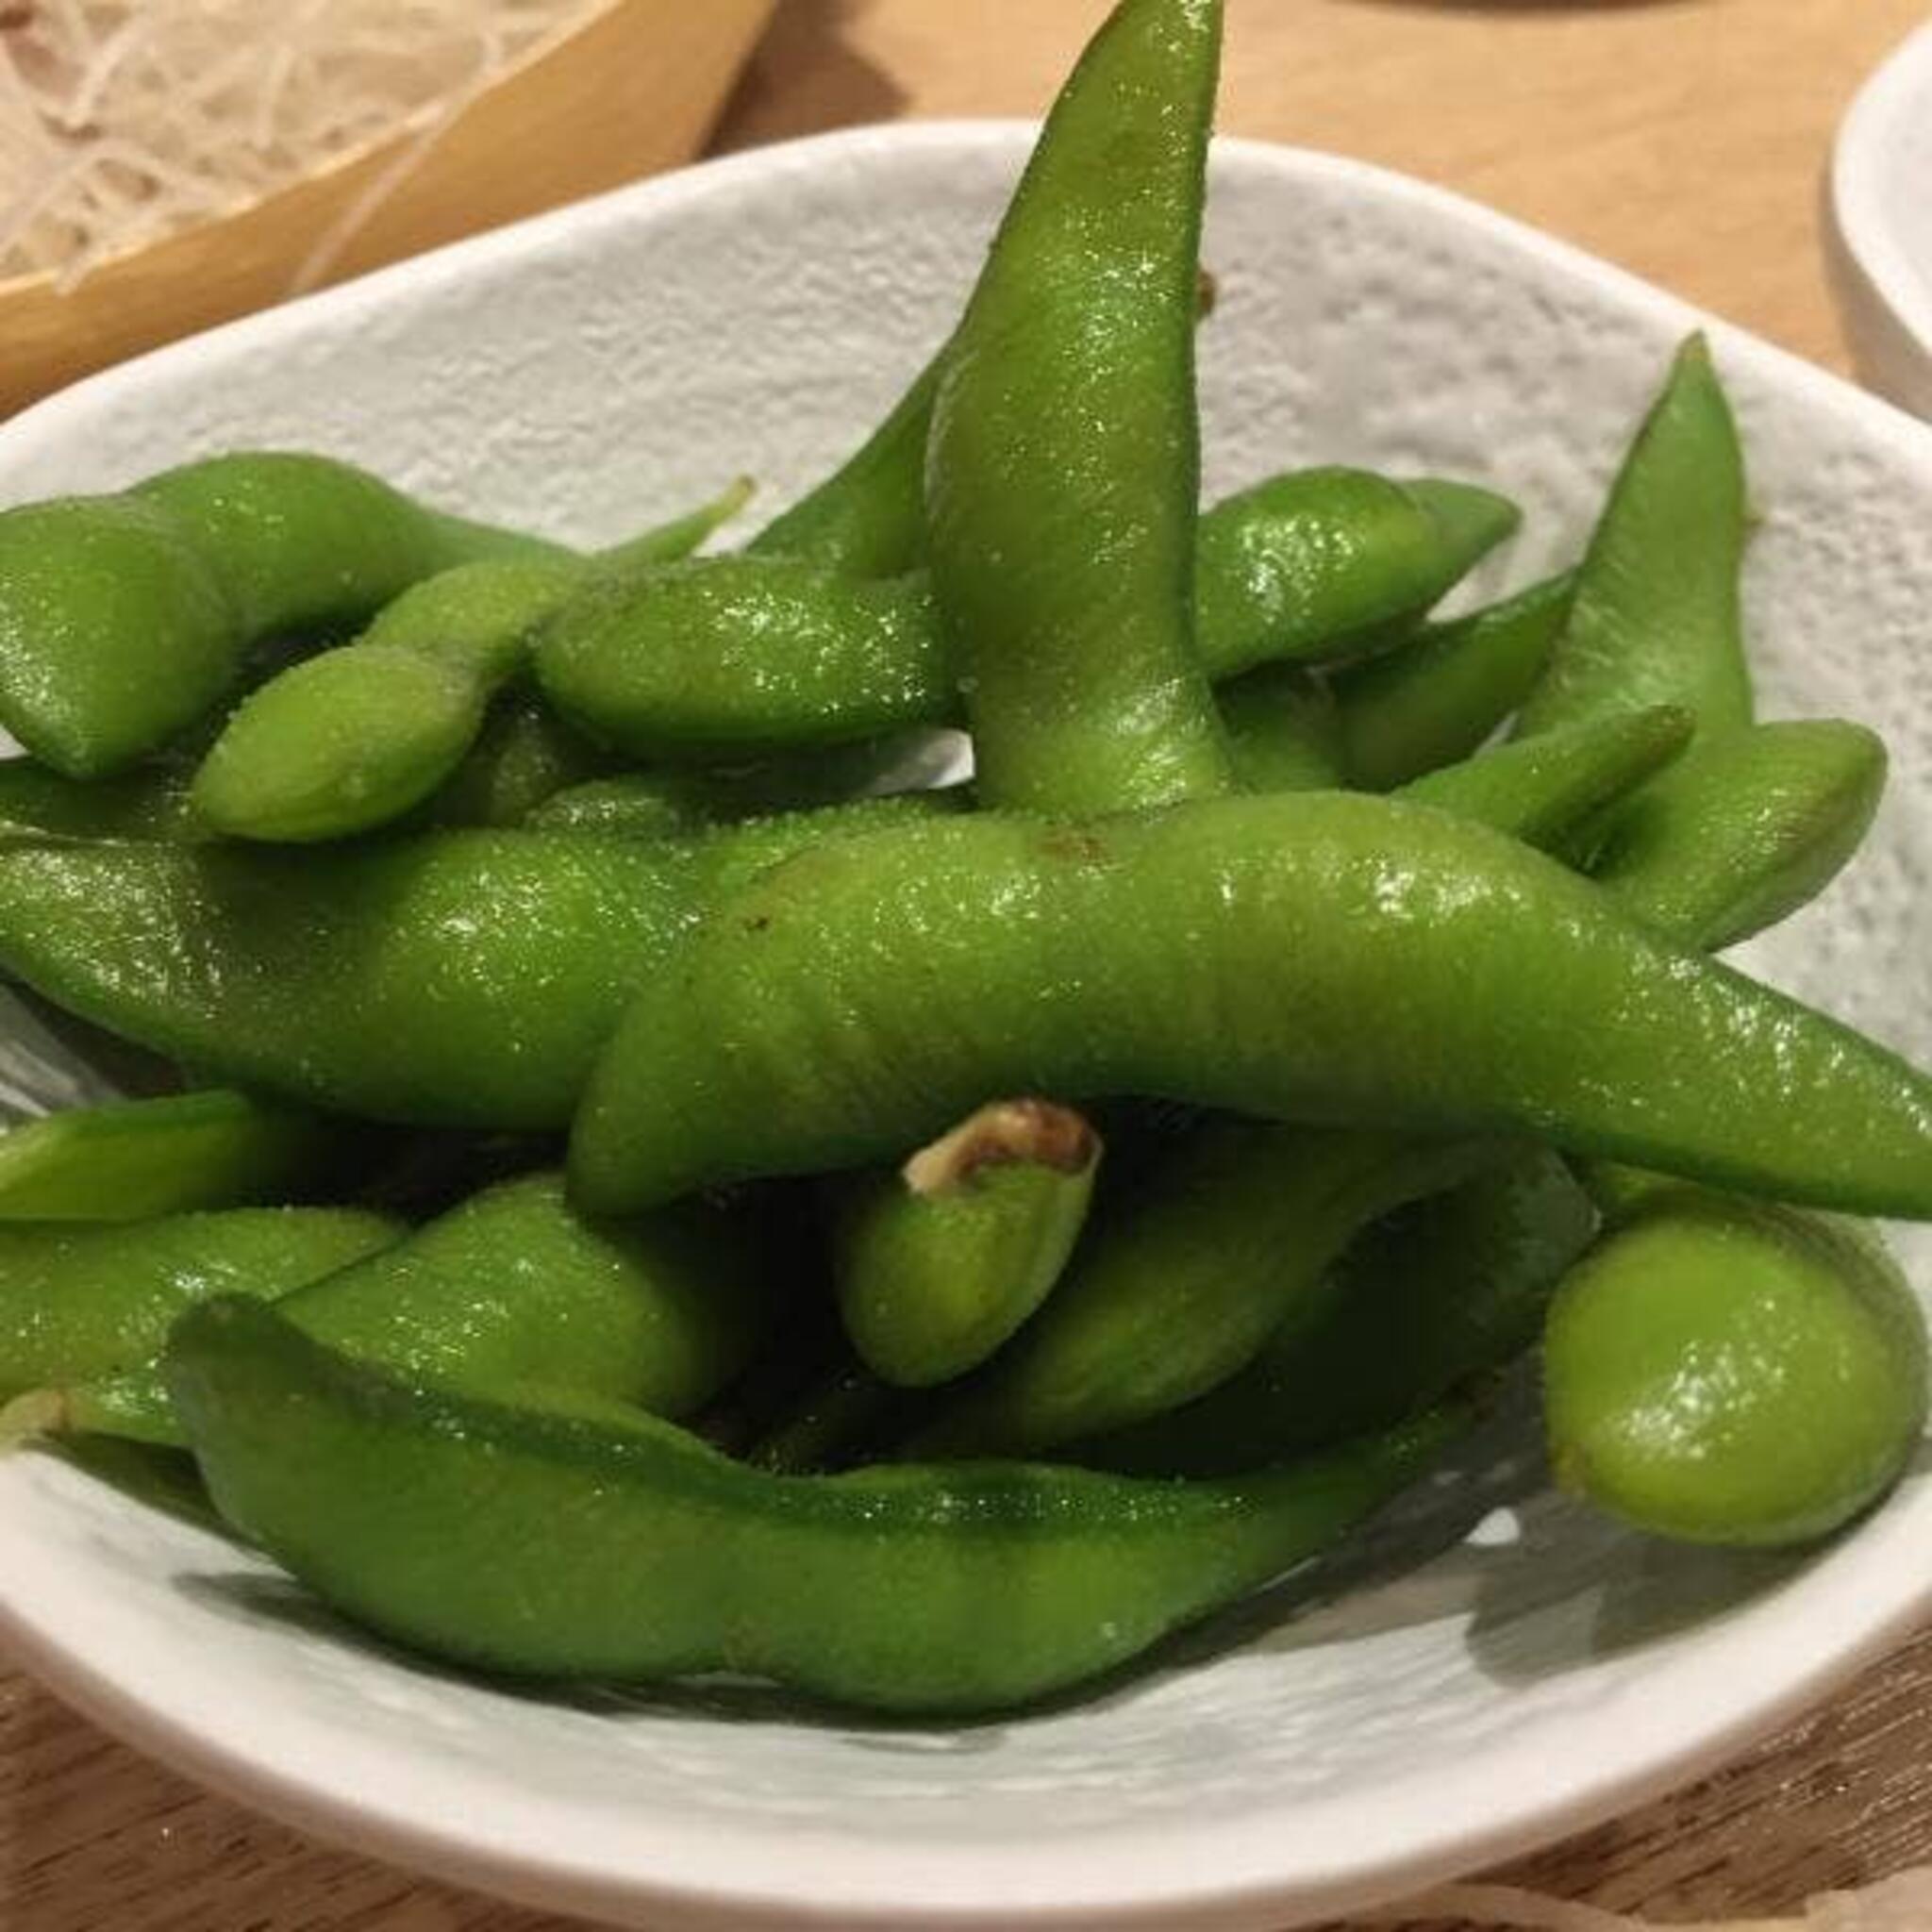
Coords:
633,89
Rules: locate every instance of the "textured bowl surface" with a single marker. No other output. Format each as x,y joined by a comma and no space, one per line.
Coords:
1881,224
1495,1668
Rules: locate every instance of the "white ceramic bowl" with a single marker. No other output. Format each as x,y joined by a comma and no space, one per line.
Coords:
1881,224
602,365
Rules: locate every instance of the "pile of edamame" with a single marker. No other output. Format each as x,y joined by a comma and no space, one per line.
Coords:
622,1202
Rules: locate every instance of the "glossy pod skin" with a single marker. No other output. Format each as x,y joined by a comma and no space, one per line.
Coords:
516,1296
129,1160
938,1262
1730,1371
639,1553
1445,1289
461,979
1063,464
730,656
80,1299
353,738
1229,1231
1223,956
124,619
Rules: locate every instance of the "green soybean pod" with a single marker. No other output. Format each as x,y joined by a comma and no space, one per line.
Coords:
1226,1235
733,657
938,1262
1655,618
84,1298
130,1159
1436,698
1730,1371
513,1292
609,1548
125,619
1444,1288
1179,1285
354,737
1223,956
1756,827
455,978
1063,464
1327,564
150,801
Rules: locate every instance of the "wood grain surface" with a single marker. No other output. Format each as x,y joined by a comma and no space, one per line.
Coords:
1685,139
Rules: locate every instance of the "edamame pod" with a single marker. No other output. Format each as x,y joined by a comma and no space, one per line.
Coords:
1757,825
354,737
1443,1290
1327,564
514,1294
148,803
1438,697
1063,464
129,1160
1730,1371
459,978
81,1299
124,619
1181,1282
938,1262
1229,1233
1655,617
630,1550
1321,955
731,656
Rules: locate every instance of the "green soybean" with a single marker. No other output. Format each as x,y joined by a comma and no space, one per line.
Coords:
125,619
515,1294
1445,1289
129,1160
1436,698
1655,618
629,1550
456,978
354,737
79,1299
1223,955
1730,1371
938,1262
732,657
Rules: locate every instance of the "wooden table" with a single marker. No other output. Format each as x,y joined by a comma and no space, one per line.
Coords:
1685,139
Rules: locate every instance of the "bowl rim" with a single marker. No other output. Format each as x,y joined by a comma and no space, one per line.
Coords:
1900,83
1236,1871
